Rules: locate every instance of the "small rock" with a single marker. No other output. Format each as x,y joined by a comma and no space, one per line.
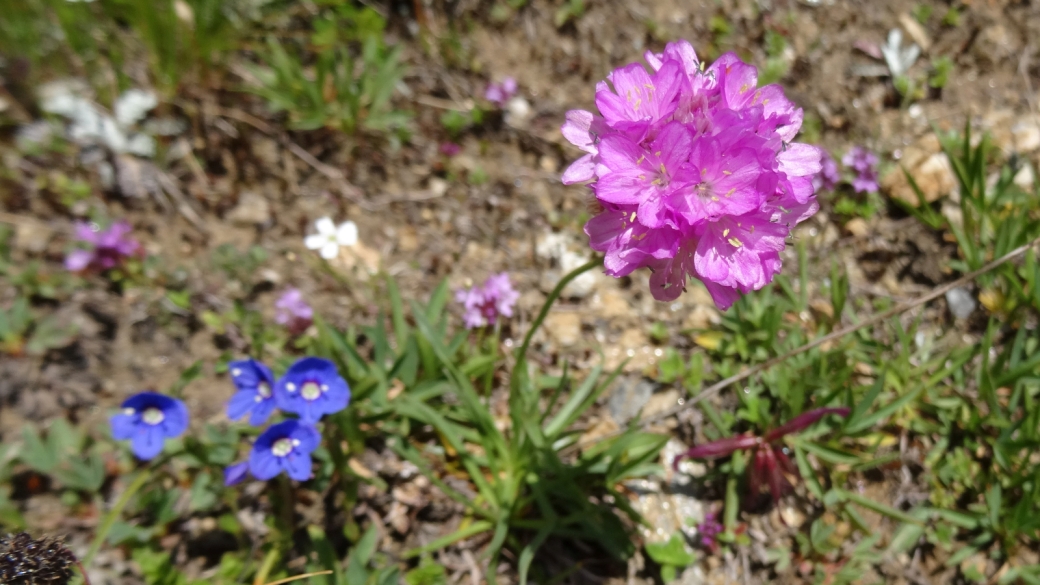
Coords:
1012,132
792,516
408,239
611,304
660,402
701,317
628,396
929,167
1025,178
858,227
252,209
960,302
564,328
518,112
359,259
438,186
994,43
266,150
32,236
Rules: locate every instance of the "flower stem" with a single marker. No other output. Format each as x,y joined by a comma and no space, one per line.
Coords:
113,515
521,353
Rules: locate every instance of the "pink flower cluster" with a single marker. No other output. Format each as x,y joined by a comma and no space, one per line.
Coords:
107,248
865,163
484,304
694,173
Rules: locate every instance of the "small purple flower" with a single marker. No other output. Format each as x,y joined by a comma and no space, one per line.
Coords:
484,304
255,394
864,162
500,93
450,148
829,176
235,473
293,312
708,530
311,388
286,446
108,248
147,420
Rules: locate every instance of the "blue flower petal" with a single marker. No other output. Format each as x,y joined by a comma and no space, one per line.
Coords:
235,473
241,403
123,426
263,464
147,441
298,466
176,418
247,374
261,411
308,436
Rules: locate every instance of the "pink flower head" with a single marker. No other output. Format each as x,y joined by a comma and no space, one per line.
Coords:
694,173
770,466
484,304
293,312
107,249
450,148
864,162
501,92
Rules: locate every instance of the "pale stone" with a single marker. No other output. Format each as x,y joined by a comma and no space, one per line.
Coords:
564,328
252,209
660,402
702,317
611,304
858,227
929,167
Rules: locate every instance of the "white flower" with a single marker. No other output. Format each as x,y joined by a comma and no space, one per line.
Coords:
133,105
899,60
330,237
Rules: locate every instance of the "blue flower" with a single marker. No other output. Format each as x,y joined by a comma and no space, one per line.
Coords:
235,473
311,388
147,420
255,384
287,447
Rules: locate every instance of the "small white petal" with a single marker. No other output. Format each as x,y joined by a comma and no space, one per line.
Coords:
325,226
347,234
330,251
315,241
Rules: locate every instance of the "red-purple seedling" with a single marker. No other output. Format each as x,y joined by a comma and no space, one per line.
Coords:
769,464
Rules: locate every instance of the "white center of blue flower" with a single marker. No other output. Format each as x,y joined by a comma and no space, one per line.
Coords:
282,447
264,390
310,391
152,416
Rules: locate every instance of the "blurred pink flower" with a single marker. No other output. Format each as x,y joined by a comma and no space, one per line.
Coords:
485,304
106,249
502,92
864,162
293,312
